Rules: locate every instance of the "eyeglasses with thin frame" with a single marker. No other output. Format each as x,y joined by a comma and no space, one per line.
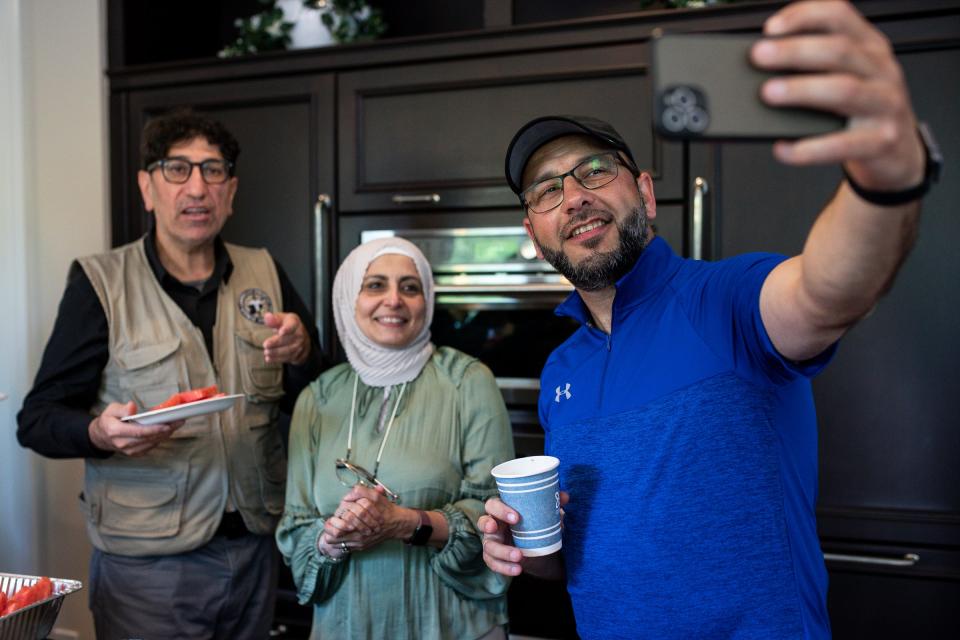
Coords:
594,172
179,170
350,474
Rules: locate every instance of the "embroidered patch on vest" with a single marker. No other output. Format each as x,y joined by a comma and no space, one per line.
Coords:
254,303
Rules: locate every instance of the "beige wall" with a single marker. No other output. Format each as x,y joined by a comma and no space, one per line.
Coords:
63,190
18,517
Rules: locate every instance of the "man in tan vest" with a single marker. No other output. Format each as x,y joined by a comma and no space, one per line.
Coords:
181,515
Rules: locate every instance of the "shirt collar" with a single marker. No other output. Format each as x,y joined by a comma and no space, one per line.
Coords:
647,276
222,266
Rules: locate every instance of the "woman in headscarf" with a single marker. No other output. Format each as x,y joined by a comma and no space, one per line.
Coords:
390,458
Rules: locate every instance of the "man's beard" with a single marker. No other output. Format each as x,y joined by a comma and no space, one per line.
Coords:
602,269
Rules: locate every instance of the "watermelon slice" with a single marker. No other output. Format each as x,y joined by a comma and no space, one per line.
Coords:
191,395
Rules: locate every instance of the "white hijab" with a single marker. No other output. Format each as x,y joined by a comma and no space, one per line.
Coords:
380,366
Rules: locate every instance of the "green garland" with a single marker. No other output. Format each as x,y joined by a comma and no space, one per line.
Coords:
347,21
264,31
350,20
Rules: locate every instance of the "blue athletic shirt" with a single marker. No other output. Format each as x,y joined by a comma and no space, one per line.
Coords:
689,448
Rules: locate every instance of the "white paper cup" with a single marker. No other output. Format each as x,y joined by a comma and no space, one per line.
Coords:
531,487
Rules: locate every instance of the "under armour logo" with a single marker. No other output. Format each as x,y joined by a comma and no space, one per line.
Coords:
563,392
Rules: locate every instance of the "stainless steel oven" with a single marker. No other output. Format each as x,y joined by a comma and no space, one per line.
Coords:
495,300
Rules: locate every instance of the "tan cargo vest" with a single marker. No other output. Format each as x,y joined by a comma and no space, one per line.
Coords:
171,500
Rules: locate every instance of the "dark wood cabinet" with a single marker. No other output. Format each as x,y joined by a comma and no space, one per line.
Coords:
433,136
872,604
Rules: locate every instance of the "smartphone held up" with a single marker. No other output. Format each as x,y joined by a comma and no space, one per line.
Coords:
704,87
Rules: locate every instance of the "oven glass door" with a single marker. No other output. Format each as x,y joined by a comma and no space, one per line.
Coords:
511,334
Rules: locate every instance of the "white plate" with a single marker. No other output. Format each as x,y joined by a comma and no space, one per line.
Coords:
184,411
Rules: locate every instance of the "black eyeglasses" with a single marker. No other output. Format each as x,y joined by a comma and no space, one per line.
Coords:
594,172
178,170
350,474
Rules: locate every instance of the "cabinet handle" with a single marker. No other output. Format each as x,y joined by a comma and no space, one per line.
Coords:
700,189
907,560
320,209
407,198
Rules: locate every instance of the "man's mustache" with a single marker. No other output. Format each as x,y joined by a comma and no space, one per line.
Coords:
582,216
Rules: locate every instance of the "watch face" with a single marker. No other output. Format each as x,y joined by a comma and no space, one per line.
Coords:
422,533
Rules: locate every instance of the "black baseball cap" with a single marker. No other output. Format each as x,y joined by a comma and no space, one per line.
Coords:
540,131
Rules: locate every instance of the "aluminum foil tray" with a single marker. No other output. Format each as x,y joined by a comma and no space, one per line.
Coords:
35,621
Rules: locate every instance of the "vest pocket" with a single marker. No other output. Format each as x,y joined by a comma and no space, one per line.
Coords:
261,381
142,503
150,374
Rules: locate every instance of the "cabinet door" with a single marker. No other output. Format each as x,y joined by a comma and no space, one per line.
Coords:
286,130
867,606
434,135
890,441
893,591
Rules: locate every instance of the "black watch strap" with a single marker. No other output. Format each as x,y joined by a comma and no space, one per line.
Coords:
421,535
931,174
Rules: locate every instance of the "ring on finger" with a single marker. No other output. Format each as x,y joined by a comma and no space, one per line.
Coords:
343,547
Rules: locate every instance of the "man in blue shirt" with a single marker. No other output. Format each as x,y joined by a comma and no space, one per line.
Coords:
681,410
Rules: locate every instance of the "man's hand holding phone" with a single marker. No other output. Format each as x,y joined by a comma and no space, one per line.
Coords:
822,81
849,68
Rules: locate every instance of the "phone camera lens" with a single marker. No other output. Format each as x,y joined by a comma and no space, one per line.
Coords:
673,119
682,98
697,119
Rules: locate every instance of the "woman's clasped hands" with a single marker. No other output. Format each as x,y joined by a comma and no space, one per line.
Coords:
364,518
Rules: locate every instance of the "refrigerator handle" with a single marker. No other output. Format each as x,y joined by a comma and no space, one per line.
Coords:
321,211
906,560
700,190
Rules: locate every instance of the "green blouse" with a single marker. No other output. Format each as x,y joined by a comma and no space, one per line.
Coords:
450,429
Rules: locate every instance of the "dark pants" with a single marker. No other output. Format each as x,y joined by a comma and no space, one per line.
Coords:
225,589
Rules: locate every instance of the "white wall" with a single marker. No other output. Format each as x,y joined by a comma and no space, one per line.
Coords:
18,520
59,211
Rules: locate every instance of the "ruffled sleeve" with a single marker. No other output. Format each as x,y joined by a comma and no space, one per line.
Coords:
486,442
315,575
